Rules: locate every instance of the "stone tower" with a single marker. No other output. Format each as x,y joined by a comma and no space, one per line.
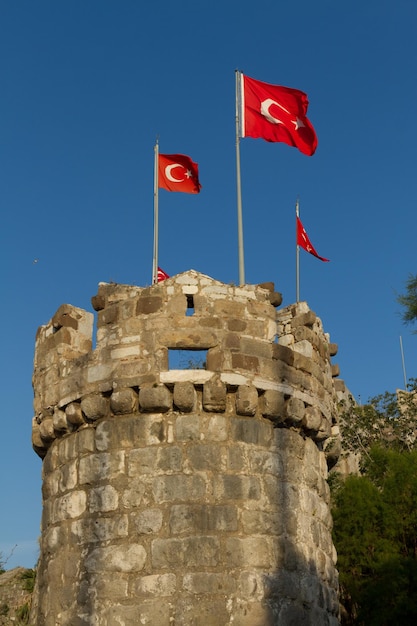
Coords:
185,497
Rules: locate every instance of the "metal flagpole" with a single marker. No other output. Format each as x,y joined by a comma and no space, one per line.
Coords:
297,254
238,184
155,217
403,362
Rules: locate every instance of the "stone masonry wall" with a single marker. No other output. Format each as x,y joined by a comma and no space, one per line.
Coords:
185,497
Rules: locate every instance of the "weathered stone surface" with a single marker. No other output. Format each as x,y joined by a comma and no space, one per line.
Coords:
155,399
189,496
246,400
123,401
184,396
214,396
95,406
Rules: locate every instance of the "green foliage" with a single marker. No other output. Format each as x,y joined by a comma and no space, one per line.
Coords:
23,612
28,579
409,300
4,610
389,420
375,534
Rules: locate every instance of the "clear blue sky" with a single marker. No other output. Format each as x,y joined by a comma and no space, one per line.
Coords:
87,85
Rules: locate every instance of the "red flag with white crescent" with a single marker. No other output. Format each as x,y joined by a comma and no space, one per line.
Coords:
304,242
177,172
276,113
161,275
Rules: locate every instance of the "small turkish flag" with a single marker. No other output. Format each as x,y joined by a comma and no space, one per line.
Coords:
276,113
304,242
161,275
177,172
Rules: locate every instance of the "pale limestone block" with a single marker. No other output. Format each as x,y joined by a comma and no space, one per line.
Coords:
135,494
46,429
60,421
103,499
178,487
148,522
246,400
95,406
68,476
217,428
141,461
201,551
185,396
248,552
101,466
74,414
158,585
99,372
304,347
69,506
93,530
117,558
124,401
155,399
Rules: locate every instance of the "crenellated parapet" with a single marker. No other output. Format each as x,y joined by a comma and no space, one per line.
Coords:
259,362
191,496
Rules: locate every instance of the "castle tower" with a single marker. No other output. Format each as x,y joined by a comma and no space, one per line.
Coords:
185,497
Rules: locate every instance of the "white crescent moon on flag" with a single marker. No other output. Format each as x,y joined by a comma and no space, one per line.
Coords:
266,105
169,175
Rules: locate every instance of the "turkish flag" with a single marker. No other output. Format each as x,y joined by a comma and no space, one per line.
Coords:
304,242
276,113
161,275
177,172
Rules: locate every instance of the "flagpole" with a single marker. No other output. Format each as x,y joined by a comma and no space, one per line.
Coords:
297,254
403,362
155,217
239,187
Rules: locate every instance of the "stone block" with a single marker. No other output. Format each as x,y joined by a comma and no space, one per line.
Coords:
102,466
95,406
46,430
177,487
245,362
312,418
272,405
201,551
248,552
124,401
103,499
97,529
252,431
236,325
216,428
237,487
187,427
156,585
117,558
246,400
294,410
204,457
155,399
148,304
69,506
60,422
74,414
202,518
148,522
203,583
214,396
185,396
134,496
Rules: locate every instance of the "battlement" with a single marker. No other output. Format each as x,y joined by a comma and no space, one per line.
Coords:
259,361
186,496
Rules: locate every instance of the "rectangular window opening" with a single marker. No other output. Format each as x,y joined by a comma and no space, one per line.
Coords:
190,305
182,359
